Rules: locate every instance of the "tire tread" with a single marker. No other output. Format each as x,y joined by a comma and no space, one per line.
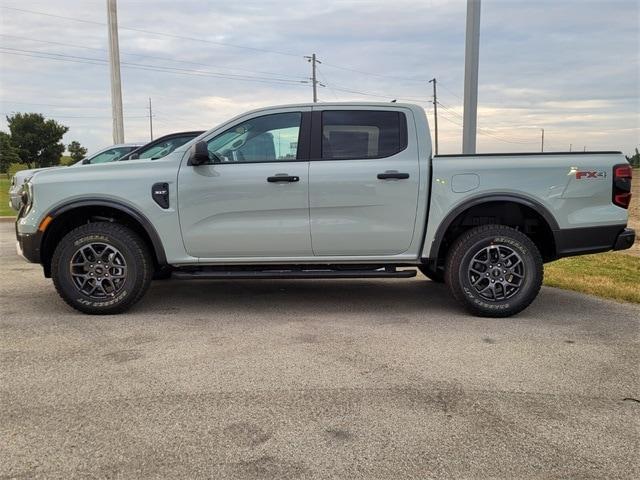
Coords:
461,246
125,235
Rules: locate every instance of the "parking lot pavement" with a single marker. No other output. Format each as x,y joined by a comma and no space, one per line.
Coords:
313,379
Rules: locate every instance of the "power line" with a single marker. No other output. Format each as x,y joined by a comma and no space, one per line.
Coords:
153,68
202,40
371,74
149,32
55,115
60,106
481,132
340,88
490,131
142,55
333,92
451,91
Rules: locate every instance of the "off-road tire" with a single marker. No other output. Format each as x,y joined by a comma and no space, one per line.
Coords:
139,267
435,276
473,242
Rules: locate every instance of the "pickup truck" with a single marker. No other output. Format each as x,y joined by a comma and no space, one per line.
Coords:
332,190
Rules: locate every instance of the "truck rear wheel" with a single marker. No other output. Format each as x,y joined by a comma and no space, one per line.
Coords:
101,268
494,271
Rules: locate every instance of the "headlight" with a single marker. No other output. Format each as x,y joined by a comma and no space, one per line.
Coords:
27,197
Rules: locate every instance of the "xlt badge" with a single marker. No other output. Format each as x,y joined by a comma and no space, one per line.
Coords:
160,194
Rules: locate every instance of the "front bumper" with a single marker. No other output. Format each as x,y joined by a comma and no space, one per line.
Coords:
28,246
625,239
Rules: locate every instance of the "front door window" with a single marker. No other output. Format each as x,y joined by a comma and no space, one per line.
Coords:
270,138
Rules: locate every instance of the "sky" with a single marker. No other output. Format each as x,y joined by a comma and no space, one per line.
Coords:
570,67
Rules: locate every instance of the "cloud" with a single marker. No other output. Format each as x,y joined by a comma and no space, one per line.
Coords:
571,67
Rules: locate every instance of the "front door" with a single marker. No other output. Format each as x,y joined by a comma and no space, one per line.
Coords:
363,182
252,199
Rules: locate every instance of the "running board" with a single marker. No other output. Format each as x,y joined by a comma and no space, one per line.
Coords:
289,274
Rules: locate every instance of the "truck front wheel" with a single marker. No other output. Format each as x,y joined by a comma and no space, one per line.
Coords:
101,268
494,271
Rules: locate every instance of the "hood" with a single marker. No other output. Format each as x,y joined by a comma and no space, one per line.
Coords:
22,175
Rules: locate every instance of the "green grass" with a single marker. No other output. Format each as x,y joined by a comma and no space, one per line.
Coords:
5,209
608,275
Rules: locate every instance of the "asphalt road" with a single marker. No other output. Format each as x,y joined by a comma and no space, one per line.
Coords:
313,379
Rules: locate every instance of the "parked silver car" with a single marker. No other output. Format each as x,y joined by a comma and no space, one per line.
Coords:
108,154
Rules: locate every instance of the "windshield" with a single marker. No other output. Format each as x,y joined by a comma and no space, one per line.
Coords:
165,147
106,156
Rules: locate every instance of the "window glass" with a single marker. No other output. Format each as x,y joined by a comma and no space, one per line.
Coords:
165,148
110,155
356,134
269,138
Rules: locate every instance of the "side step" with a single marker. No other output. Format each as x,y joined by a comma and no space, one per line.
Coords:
289,274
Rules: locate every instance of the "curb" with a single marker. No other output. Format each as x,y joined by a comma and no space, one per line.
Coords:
7,219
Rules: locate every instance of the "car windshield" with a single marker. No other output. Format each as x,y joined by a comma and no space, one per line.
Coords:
165,147
106,156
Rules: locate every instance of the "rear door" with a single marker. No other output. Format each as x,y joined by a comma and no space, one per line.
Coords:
363,181
252,200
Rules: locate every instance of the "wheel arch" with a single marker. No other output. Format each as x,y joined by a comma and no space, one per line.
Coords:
71,214
503,205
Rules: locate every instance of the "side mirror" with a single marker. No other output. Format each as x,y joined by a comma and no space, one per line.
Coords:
134,156
86,161
200,154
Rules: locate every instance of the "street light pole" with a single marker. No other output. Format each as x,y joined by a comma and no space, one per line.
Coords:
435,111
471,61
150,120
114,65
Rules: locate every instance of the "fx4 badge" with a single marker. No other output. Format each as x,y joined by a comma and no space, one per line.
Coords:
590,174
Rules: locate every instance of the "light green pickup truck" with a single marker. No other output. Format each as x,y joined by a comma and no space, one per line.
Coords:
332,190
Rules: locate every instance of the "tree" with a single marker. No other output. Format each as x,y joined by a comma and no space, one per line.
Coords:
36,139
634,160
8,153
66,160
76,151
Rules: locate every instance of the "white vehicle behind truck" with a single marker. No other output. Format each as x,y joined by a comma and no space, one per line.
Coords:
332,190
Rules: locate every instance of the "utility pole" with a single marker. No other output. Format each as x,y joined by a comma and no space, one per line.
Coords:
542,144
314,80
114,64
584,149
570,146
471,61
435,111
150,120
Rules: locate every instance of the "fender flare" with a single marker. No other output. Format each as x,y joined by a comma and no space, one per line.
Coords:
480,199
158,248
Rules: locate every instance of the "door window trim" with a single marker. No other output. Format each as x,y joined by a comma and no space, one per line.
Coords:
316,136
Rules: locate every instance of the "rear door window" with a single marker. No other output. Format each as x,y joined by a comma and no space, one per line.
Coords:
362,134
